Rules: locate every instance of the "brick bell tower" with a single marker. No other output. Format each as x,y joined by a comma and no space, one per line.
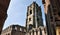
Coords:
3,12
34,17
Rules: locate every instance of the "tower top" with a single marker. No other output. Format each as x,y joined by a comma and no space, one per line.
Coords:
34,2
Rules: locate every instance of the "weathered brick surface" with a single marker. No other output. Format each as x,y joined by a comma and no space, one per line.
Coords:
3,11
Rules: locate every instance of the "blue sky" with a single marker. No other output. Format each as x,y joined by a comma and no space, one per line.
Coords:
17,12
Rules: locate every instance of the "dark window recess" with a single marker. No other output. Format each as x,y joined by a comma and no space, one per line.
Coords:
51,17
56,19
59,13
27,13
54,10
37,19
30,26
13,26
30,33
0,32
30,11
29,19
54,13
59,32
39,24
54,5
50,14
40,32
53,28
43,1
49,9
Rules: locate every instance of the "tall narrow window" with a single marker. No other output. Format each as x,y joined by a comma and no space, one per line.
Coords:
30,33
30,26
15,28
37,19
20,29
43,1
29,19
59,13
30,11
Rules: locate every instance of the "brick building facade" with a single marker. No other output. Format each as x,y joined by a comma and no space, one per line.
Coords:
52,14
3,12
14,30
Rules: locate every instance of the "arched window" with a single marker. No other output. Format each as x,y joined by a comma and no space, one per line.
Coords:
59,13
15,28
30,26
30,11
29,19
20,29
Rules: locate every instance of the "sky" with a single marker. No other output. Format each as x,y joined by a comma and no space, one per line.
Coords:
17,12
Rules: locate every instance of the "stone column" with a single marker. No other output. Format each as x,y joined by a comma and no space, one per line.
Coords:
39,32
43,33
31,33
34,32
28,33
